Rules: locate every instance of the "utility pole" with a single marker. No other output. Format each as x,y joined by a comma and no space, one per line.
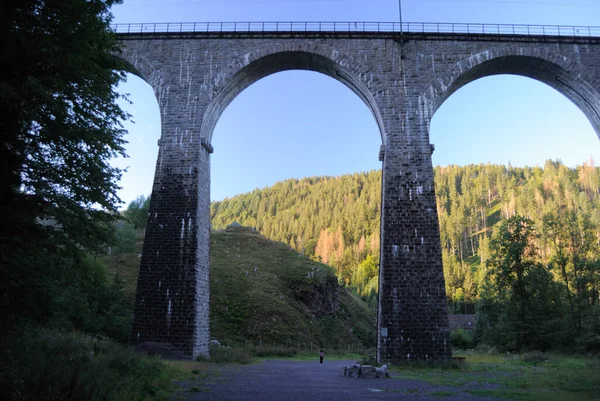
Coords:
401,29
400,13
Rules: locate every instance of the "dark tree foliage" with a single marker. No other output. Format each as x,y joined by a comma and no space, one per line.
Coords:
522,287
137,212
60,127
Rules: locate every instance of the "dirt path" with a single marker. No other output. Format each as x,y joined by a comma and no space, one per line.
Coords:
308,381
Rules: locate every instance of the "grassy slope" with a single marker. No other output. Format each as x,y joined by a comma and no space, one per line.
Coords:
254,287
261,306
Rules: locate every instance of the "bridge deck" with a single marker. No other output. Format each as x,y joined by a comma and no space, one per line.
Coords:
408,30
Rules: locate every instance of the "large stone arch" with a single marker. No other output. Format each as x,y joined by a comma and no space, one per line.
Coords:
557,71
251,67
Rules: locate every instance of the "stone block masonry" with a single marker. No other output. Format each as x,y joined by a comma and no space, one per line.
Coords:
195,76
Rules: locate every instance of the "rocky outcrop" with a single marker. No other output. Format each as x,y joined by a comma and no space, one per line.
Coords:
321,297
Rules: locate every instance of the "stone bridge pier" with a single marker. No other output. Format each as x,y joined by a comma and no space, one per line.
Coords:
196,75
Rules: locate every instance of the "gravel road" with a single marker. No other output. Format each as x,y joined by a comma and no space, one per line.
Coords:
308,381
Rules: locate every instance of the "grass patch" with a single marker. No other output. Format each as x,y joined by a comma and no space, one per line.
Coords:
228,355
442,393
535,357
531,376
249,355
277,352
50,365
304,355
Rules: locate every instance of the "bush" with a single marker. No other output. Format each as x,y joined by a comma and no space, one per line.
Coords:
461,339
50,365
91,302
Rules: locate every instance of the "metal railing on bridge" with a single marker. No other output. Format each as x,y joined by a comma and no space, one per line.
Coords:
368,27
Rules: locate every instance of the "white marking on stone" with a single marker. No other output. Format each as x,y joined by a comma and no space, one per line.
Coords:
181,66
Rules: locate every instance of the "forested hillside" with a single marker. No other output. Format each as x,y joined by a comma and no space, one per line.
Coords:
336,220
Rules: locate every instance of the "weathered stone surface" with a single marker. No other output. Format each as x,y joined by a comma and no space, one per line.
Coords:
196,76
351,371
320,298
365,371
383,372
368,372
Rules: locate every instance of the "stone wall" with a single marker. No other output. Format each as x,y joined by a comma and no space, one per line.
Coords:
195,77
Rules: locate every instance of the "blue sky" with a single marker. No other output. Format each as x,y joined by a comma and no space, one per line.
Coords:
298,123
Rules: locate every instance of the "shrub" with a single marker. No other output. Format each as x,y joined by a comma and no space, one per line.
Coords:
461,339
50,365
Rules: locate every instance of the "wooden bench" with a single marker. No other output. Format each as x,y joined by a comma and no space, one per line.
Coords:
459,359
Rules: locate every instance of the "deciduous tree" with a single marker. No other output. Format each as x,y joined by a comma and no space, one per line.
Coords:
60,128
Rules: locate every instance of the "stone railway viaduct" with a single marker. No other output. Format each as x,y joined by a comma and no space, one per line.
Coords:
402,81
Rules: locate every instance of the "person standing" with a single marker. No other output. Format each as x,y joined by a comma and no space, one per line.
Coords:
321,356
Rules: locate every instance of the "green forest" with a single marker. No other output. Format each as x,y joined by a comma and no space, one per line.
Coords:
335,220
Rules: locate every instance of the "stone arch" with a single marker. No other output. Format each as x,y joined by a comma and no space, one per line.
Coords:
251,67
140,66
553,69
